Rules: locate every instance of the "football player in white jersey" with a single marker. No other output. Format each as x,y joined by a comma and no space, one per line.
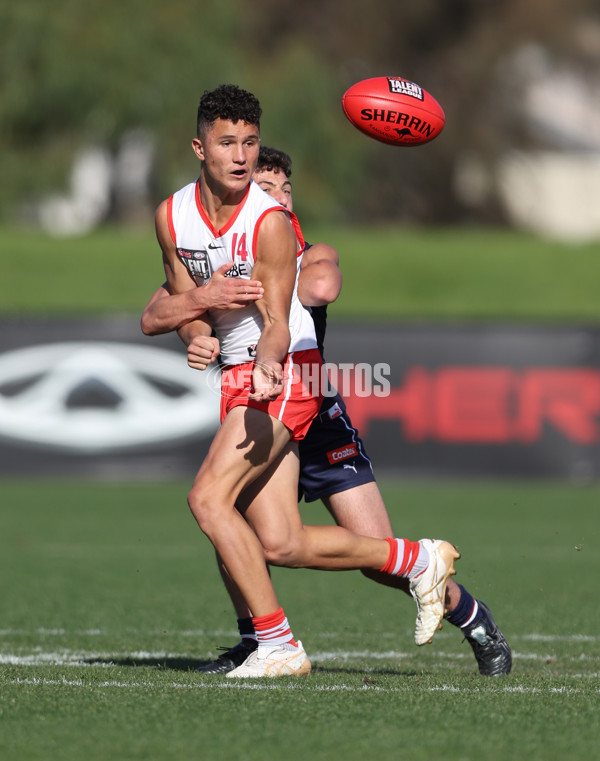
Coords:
351,495
253,460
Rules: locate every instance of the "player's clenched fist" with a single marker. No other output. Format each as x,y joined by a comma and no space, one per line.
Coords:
267,381
202,351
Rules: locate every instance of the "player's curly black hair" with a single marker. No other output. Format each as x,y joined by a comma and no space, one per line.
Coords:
271,158
227,102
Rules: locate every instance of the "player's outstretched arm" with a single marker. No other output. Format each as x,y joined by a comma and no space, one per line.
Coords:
168,310
165,312
179,280
320,280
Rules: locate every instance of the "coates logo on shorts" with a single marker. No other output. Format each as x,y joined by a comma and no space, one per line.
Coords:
343,453
97,397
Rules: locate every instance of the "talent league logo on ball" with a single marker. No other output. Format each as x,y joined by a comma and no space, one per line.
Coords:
393,110
404,87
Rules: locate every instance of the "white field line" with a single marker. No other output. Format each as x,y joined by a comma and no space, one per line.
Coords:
216,633
288,686
96,659
106,633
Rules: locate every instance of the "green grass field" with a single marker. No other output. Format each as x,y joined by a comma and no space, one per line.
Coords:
110,599
389,274
110,596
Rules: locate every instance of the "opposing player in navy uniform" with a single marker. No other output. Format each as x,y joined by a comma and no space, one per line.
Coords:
350,493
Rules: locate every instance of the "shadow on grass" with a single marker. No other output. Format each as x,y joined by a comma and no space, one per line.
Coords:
174,664
191,664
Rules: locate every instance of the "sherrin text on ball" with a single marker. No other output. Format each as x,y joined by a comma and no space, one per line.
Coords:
393,110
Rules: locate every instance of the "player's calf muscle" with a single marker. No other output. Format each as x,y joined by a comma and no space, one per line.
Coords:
327,548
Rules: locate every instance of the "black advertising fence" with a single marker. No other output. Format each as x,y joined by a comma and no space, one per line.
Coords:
482,401
97,398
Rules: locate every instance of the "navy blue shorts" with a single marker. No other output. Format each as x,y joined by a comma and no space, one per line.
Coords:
332,455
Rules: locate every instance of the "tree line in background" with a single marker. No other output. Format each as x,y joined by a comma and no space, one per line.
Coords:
75,74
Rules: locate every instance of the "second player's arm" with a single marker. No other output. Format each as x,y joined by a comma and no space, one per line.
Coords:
166,312
170,309
320,280
179,281
320,283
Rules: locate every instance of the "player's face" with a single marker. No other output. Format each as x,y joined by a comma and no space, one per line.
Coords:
276,184
229,152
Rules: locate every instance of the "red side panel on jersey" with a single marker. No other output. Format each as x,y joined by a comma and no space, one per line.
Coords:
170,219
298,232
295,225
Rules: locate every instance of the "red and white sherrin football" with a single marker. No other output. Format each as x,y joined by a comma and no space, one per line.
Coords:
393,110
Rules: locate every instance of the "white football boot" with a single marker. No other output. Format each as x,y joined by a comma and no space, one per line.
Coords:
429,588
272,661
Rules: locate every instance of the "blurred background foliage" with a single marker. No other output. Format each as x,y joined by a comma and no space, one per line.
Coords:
76,74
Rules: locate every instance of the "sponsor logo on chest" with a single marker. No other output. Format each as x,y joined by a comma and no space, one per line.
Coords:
201,263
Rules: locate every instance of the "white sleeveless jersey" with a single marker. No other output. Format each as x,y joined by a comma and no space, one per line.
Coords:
203,250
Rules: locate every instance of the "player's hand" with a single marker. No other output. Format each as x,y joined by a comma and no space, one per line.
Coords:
267,381
202,351
230,292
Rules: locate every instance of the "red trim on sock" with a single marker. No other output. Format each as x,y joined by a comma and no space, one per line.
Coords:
262,624
411,553
391,561
268,622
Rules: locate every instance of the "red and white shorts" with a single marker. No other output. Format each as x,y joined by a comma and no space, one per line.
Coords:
298,403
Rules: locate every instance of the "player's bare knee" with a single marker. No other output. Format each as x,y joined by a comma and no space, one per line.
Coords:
201,507
286,553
